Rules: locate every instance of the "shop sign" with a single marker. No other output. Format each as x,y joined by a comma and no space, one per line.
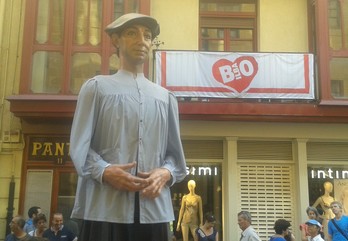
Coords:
54,149
328,173
202,170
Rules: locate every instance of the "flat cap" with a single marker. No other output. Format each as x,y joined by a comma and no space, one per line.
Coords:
130,19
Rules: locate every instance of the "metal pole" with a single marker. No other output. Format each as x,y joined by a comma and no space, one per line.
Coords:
10,206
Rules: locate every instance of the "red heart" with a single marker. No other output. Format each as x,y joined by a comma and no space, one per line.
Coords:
238,74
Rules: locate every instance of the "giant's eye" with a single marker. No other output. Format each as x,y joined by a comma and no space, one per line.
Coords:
131,33
148,36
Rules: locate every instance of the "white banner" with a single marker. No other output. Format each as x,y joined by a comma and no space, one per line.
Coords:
236,75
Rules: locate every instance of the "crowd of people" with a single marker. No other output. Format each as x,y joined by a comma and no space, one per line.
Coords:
311,230
35,228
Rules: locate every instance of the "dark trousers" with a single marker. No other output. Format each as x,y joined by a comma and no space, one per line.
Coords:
104,231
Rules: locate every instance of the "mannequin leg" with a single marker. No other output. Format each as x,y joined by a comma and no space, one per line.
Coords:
325,228
185,230
193,230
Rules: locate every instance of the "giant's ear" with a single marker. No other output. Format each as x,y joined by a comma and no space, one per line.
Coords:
115,39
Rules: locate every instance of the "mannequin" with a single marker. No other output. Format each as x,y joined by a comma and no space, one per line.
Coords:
191,212
324,201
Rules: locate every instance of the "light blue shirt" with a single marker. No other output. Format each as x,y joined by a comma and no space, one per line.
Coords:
120,119
249,234
29,225
316,238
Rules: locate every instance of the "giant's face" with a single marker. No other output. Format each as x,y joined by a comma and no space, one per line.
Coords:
134,44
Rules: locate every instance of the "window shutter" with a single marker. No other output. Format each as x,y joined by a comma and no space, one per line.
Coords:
327,151
266,183
265,150
267,192
203,149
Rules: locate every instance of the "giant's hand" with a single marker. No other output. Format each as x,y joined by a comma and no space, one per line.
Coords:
157,178
118,177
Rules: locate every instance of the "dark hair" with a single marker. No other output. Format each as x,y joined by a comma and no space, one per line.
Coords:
33,210
39,217
281,225
209,217
288,236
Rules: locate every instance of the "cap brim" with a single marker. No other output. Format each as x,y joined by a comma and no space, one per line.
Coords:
144,21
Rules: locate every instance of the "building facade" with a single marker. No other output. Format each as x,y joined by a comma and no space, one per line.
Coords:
268,156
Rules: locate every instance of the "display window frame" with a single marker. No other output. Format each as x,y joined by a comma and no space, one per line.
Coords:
208,177
337,175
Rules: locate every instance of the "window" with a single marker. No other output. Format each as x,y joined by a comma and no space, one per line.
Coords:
66,193
332,42
338,34
228,25
65,43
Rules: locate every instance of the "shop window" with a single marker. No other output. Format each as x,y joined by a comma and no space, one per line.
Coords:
38,190
66,193
208,180
328,177
65,43
227,25
327,183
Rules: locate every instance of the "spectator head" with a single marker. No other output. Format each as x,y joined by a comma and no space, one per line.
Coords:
208,217
312,213
209,220
281,226
314,222
244,220
33,211
314,227
39,217
57,221
336,207
17,223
